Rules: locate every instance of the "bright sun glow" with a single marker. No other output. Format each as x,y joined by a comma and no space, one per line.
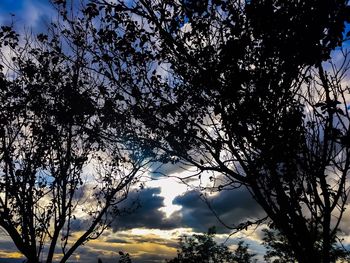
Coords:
170,188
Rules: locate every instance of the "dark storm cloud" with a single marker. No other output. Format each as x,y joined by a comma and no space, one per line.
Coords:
233,207
147,215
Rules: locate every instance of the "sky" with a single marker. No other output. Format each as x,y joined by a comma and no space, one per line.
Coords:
168,208
31,13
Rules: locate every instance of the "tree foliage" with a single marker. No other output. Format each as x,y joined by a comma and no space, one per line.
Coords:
203,248
61,179
124,257
245,91
278,250
239,89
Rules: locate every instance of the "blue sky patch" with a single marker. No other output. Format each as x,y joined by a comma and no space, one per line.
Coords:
11,5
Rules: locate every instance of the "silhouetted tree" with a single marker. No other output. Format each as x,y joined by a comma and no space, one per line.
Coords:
241,254
61,179
239,89
277,248
124,257
203,248
280,251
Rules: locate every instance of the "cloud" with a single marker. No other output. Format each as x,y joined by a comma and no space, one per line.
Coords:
117,240
9,253
11,260
8,250
142,248
167,169
32,14
345,222
232,207
148,214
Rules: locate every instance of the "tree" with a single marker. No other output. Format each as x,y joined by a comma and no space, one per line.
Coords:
241,254
240,89
124,257
203,248
277,248
280,251
61,179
